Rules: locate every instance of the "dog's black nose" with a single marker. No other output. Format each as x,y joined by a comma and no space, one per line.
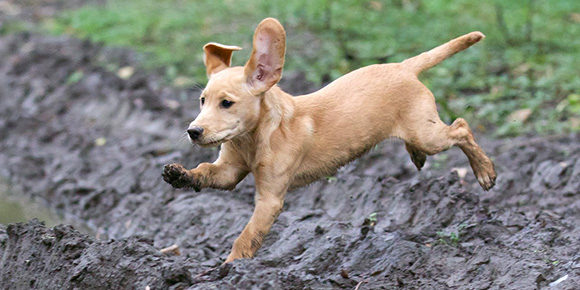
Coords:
195,132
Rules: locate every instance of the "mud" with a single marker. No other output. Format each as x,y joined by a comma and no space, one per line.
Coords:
92,148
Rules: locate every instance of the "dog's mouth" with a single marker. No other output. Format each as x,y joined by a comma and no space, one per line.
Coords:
210,144
213,142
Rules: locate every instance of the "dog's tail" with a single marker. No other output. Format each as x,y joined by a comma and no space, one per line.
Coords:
438,54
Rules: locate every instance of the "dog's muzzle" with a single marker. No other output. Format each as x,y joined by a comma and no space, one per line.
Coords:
195,133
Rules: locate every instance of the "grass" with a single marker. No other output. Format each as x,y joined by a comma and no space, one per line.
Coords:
523,78
453,237
448,239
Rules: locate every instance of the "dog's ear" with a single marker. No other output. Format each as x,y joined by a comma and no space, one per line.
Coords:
264,68
217,57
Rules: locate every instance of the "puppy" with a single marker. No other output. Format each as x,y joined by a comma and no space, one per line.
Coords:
287,142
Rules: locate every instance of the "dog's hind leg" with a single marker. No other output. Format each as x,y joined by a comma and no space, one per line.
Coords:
435,137
482,166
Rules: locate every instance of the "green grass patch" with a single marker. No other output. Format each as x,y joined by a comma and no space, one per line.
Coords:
529,63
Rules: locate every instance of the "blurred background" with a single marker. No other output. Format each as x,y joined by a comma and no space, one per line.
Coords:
525,76
523,79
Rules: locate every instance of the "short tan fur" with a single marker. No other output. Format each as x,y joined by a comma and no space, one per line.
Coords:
287,142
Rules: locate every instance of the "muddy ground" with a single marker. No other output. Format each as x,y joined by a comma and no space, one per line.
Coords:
91,146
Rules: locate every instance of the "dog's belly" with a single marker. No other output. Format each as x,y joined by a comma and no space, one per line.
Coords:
318,166
352,115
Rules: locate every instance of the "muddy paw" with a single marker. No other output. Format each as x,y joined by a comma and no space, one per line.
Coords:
418,159
486,178
417,156
179,177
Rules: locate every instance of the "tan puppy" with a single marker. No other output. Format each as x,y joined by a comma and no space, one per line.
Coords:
287,142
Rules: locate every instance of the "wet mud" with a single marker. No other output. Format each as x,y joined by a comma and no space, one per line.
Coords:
91,146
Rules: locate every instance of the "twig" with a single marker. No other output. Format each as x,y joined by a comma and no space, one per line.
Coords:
359,283
174,249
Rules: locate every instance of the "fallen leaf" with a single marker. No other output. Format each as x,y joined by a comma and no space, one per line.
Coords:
171,104
125,72
520,115
100,141
461,171
574,122
344,273
376,5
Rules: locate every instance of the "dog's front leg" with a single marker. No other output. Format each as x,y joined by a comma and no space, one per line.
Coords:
270,192
225,173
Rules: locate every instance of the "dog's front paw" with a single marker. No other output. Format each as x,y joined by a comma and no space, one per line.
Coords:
179,177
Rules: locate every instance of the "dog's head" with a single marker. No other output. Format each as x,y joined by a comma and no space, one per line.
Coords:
230,103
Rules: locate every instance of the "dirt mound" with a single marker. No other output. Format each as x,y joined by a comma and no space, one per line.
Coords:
92,146
61,257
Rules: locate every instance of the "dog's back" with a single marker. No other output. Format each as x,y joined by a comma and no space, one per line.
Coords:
362,108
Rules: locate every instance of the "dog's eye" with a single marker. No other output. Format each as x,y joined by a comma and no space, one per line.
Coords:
202,101
226,104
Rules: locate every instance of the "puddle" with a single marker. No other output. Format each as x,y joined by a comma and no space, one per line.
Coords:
16,208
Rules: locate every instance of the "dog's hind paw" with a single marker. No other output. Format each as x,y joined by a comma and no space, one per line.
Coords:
486,175
419,159
417,156
487,182
179,177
